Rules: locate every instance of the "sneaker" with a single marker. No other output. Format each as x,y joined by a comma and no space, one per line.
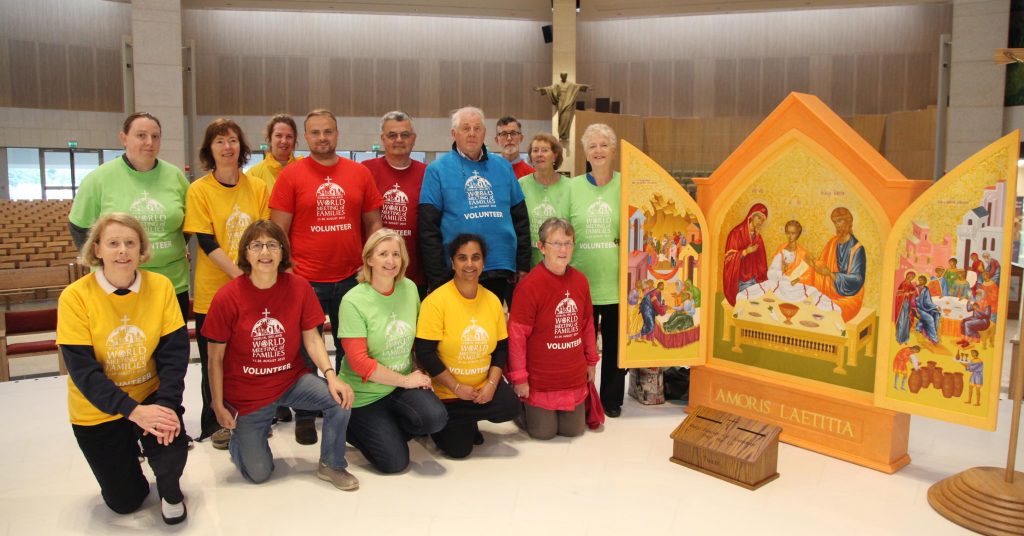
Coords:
283,414
221,438
305,432
341,478
173,513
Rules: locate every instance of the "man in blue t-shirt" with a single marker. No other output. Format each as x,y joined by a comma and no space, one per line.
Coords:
467,191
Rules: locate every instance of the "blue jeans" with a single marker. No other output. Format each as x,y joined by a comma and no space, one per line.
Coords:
381,430
330,295
249,447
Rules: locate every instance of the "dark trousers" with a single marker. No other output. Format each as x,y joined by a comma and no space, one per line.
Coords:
613,379
111,448
381,430
183,305
330,295
499,285
207,418
456,439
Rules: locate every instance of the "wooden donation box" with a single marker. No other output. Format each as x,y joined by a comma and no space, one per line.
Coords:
726,446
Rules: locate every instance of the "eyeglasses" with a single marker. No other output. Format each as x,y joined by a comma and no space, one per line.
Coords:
257,247
560,245
510,134
395,135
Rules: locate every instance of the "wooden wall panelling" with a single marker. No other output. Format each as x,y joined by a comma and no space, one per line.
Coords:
618,88
725,87
275,87
24,61
470,85
683,84
773,85
82,78
517,90
5,74
798,77
363,86
919,77
340,83
491,97
252,89
820,77
448,87
385,94
871,128
409,87
661,143
894,83
319,91
53,76
298,85
109,84
688,133
639,98
537,106
229,95
840,95
748,82
909,140
661,88
867,84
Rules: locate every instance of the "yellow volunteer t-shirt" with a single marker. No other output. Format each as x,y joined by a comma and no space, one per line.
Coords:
467,331
224,212
123,332
268,170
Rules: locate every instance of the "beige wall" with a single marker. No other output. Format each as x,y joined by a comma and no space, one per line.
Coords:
859,61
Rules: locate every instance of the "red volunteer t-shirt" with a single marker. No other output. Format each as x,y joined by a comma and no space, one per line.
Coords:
400,189
327,206
558,308
263,331
522,169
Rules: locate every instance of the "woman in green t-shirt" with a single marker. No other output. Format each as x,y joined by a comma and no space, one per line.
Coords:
393,398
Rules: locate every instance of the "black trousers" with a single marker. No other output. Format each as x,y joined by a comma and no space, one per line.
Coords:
111,448
499,285
207,418
613,379
456,438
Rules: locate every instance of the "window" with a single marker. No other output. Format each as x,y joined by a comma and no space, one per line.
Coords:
23,173
35,173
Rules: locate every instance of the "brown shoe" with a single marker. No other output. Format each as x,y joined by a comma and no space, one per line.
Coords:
305,432
341,478
221,438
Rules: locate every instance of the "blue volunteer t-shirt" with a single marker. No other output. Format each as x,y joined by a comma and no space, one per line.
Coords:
475,197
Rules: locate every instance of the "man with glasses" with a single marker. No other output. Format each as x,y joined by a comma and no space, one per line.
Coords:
399,179
509,136
326,205
466,191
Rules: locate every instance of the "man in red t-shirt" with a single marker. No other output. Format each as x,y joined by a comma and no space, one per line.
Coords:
509,135
399,179
327,205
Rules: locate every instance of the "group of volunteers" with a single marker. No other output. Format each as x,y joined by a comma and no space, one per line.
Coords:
413,265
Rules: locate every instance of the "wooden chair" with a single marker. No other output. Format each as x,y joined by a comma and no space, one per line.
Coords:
28,323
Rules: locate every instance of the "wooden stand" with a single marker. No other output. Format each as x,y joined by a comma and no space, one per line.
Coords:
740,451
988,500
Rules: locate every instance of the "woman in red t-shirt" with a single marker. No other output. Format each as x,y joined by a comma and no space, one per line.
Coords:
255,325
552,346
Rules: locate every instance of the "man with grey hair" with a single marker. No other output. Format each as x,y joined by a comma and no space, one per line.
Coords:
399,179
508,137
465,191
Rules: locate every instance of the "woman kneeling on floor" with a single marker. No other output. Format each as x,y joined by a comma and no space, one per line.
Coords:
552,348
461,340
393,399
124,341
253,327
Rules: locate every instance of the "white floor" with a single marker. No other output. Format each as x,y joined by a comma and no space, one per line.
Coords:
617,480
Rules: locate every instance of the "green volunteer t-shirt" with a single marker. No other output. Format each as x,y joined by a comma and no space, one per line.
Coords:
156,198
543,202
594,213
389,325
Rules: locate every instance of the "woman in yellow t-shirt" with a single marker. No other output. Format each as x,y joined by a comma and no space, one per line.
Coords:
123,339
462,342
218,209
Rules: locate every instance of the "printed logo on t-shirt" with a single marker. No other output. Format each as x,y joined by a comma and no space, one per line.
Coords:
398,335
479,194
475,342
330,201
395,212
540,213
268,344
127,356
599,225
237,223
566,324
153,216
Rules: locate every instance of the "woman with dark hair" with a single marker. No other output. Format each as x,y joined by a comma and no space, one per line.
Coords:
219,207
124,341
393,398
462,342
150,189
255,326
